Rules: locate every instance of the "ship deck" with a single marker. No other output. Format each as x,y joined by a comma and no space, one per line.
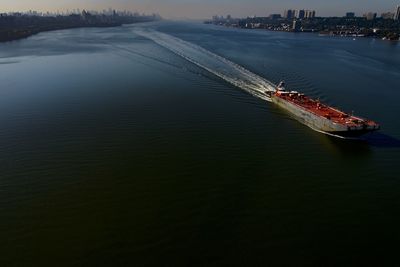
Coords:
322,110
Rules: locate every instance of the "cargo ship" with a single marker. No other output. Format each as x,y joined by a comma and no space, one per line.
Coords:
321,117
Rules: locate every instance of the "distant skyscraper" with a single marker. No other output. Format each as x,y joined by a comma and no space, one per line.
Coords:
350,15
302,14
289,14
309,14
397,13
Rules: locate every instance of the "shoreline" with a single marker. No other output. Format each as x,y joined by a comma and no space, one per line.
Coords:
353,27
19,34
13,28
320,34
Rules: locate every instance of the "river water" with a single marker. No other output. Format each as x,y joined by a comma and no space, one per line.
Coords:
153,144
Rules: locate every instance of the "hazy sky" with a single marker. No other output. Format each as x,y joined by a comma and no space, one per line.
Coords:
198,9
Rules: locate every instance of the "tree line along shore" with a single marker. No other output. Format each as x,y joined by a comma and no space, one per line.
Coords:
19,26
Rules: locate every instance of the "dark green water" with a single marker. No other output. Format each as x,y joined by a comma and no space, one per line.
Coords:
115,151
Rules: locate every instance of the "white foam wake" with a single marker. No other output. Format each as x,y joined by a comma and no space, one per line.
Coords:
217,65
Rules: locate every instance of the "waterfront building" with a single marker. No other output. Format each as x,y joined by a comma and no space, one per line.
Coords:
296,25
84,15
302,14
350,15
275,16
309,14
397,13
370,15
289,14
387,15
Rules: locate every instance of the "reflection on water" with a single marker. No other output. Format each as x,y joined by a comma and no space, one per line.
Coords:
350,148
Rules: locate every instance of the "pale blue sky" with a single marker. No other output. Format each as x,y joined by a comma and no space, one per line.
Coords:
198,9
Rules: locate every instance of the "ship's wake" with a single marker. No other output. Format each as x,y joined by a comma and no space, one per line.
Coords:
213,63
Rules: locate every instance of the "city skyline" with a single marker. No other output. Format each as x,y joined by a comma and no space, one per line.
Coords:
196,9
